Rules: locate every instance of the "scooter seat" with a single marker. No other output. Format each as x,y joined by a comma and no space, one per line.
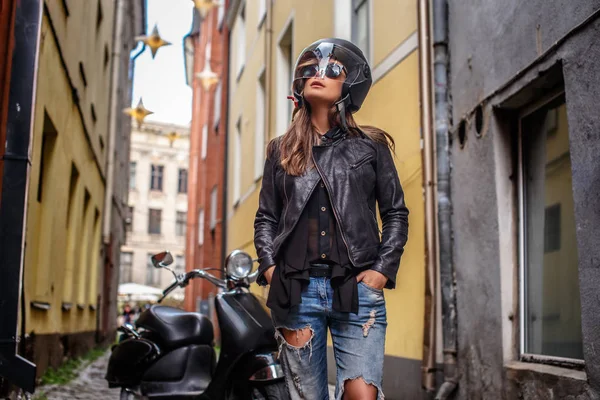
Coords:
176,327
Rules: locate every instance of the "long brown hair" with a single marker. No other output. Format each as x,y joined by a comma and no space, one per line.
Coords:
295,146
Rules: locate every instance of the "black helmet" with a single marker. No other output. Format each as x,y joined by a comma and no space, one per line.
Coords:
358,74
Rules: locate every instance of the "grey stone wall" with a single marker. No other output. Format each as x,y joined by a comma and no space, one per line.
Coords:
503,55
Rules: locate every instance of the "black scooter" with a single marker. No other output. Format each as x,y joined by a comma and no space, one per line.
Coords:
171,354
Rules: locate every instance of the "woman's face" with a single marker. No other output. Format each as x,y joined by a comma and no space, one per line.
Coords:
327,89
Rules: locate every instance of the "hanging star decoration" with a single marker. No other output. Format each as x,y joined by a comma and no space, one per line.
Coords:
204,6
172,136
207,77
154,41
138,113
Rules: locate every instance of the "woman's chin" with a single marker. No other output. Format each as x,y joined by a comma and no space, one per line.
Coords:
319,101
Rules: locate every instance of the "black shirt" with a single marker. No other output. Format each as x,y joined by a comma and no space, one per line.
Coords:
315,239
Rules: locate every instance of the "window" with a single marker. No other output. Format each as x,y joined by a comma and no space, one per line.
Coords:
204,141
285,63
361,26
156,178
220,16
180,264
154,219
152,273
129,219
132,171
550,302
213,208
237,163
182,181
240,35
259,135
262,12
180,223
217,109
46,157
201,227
126,265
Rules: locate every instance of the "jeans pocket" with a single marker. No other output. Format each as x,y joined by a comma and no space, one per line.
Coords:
371,288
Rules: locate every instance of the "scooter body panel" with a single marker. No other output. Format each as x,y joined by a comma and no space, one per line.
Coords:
246,333
183,373
128,361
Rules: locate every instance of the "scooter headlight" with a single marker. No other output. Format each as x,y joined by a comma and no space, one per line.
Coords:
239,264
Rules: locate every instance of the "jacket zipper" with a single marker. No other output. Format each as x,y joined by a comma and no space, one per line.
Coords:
361,161
374,219
334,209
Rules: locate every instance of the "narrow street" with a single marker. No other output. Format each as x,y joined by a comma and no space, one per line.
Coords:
90,385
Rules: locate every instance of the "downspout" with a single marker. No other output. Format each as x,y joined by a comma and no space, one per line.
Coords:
442,116
428,372
225,131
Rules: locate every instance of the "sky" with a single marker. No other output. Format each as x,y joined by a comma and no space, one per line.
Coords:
161,81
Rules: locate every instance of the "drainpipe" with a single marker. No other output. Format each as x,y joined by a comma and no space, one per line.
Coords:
428,371
440,50
15,179
225,70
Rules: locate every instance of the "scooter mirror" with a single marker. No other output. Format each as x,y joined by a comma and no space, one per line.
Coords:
162,260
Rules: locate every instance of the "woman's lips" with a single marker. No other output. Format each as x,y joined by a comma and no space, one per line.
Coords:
317,84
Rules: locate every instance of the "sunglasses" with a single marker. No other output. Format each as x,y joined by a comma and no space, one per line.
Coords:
332,71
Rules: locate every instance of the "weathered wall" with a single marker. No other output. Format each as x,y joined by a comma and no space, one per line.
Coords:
490,43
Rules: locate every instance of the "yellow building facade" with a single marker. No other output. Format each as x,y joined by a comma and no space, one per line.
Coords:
266,39
67,180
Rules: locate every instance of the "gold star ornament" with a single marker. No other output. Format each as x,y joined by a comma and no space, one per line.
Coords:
172,136
154,41
207,77
138,113
204,6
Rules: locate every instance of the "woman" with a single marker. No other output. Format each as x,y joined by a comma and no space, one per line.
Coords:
316,233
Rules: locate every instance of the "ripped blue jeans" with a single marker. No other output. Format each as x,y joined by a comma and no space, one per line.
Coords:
358,341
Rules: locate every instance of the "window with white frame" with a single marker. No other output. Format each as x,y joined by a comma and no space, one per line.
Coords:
154,221
204,141
132,171
549,279
152,273
182,180
201,227
259,135
285,63
126,267
156,177
220,16
240,41
180,223
262,11
237,163
179,264
361,26
213,208
217,108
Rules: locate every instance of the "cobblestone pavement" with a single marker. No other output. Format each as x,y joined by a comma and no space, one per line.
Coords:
90,385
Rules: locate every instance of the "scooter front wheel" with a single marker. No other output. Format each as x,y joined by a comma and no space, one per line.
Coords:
272,391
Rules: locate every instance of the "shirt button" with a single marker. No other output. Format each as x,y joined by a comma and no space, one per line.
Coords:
323,209
322,184
323,255
323,233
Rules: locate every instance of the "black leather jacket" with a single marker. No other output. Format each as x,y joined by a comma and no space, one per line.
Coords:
357,172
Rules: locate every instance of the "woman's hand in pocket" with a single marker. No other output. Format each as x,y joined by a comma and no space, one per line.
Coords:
269,274
371,278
